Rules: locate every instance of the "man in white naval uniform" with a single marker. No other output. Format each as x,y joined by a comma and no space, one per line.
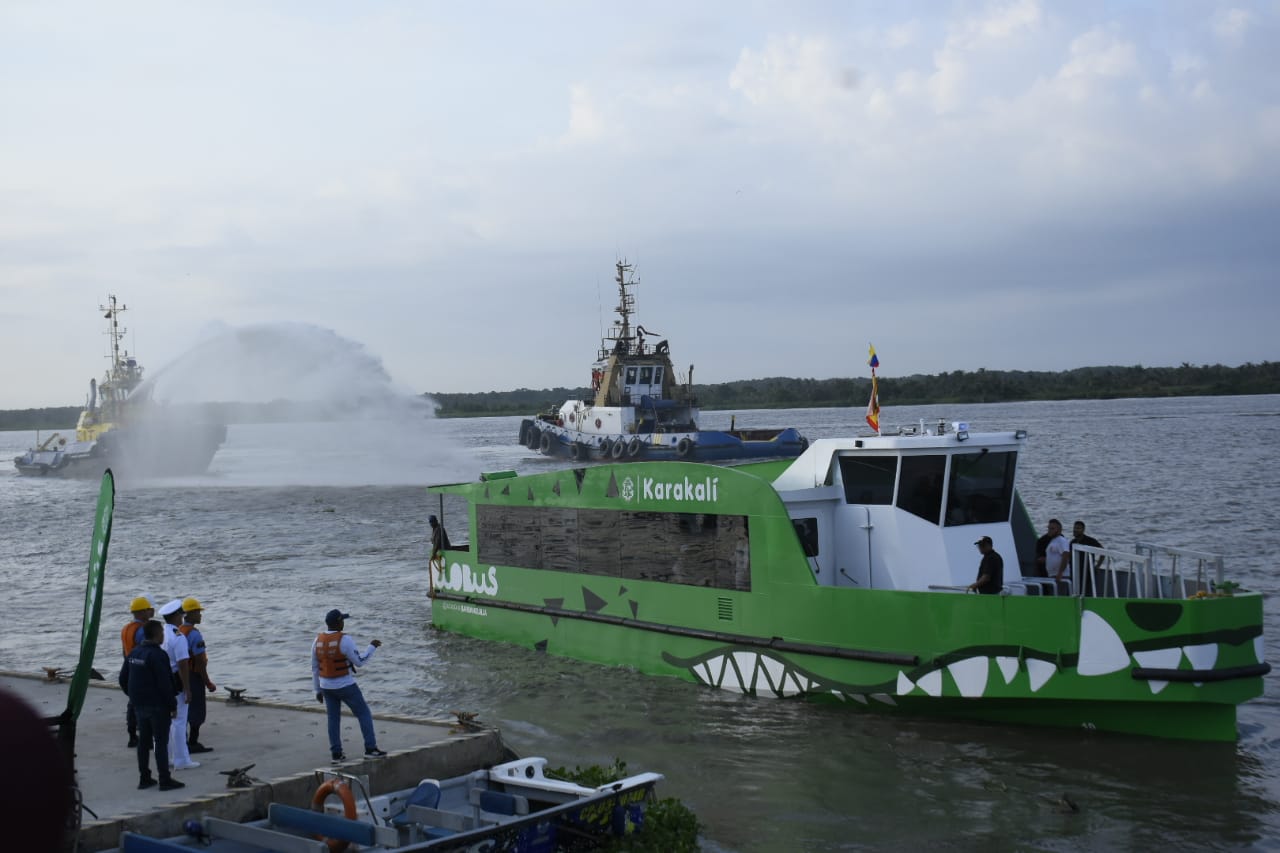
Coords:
175,645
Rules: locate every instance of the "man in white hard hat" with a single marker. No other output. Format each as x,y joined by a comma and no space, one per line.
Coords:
175,645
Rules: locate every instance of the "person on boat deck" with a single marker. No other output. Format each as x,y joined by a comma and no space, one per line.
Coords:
1079,537
439,539
1057,554
990,571
180,663
149,681
131,636
334,659
192,613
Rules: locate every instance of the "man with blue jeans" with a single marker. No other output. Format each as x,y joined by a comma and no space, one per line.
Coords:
334,659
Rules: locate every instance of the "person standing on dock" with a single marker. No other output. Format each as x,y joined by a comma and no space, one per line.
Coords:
149,681
192,613
130,637
334,659
180,663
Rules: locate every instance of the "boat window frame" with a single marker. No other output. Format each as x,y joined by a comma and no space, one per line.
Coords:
980,505
858,463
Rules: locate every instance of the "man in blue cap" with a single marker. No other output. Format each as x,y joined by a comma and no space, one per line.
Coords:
334,659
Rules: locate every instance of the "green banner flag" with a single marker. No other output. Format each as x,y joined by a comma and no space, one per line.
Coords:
93,594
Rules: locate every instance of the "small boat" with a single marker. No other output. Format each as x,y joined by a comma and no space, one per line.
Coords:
122,429
845,576
513,806
640,410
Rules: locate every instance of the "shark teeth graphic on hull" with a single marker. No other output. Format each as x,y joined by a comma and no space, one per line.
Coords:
931,683
1259,652
1040,671
1160,659
1101,649
971,676
1008,667
905,685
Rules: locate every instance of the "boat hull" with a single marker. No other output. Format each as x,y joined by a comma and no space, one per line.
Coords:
750,617
552,439
151,450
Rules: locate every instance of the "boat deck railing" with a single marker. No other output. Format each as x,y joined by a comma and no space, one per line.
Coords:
1149,571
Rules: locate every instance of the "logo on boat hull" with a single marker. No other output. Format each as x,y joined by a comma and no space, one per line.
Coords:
462,578
706,490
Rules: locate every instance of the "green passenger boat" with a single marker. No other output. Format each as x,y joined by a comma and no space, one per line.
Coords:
843,576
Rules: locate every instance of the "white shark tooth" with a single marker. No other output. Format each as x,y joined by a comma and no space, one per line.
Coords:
1258,651
885,698
1159,658
1039,672
1101,649
746,662
703,672
905,685
931,683
857,697
1203,656
970,676
1157,686
774,672
1008,667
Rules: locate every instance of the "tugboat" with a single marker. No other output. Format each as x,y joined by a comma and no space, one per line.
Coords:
640,410
122,429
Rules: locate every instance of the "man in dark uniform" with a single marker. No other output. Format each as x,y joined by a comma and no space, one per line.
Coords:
990,571
151,690
130,638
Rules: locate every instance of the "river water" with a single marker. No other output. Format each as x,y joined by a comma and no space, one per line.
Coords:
294,519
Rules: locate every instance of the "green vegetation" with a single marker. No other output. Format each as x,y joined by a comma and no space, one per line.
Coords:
782,392
669,826
980,386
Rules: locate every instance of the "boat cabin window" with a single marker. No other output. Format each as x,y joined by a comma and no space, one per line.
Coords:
868,479
699,549
657,375
646,375
981,487
921,490
807,530
631,376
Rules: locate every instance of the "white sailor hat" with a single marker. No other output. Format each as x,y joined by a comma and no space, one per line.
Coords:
172,607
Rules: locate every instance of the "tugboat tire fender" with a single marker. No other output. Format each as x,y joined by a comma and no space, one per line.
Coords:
579,452
533,438
343,790
634,446
546,443
684,448
619,448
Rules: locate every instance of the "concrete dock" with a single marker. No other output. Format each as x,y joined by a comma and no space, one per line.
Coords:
286,744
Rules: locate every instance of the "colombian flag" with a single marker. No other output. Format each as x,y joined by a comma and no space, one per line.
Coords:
874,360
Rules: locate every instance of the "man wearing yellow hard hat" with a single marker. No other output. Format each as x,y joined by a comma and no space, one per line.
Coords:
192,612
130,636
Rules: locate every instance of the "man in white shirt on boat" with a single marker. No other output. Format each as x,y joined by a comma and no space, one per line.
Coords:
1057,555
175,645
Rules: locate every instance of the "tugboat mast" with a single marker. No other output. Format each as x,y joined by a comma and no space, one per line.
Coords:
620,334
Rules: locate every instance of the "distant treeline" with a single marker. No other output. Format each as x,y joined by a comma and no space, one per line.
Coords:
780,392
980,386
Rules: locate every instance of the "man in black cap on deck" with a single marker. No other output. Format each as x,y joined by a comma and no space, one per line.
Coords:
990,571
334,659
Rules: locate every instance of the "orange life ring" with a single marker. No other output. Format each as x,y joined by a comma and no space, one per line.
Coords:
343,790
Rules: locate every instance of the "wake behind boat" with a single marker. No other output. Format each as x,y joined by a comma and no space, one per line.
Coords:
842,576
640,411
122,429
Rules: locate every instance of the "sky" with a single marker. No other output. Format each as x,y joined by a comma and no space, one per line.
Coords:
445,187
